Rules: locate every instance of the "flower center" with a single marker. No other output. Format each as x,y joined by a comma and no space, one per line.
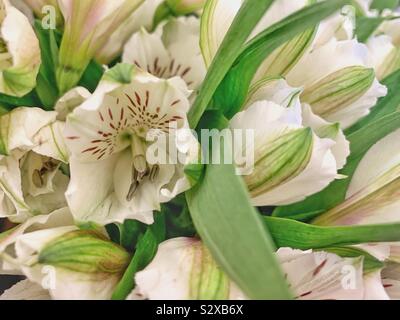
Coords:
141,169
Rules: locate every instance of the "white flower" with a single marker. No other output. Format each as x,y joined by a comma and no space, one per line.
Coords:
183,269
110,137
19,52
348,66
141,18
175,52
70,263
32,151
373,194
296,153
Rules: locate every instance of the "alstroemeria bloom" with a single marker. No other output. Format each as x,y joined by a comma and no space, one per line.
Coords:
88,24
175,52
141,18
70,263
296,153
114,135
183,269
374,192
303,60
19,52
32,150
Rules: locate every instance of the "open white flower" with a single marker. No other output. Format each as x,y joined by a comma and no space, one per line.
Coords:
32,151
374,194
68,262
115,137
296,153
176,52
183,269
19,52
88,24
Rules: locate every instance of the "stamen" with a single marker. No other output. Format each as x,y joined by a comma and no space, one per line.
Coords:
132,190
139,155
154,172
140,165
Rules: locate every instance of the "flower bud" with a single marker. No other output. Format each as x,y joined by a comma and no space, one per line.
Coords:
339,90
284,58
71,263
20,53
86,252
373,195
280,160
184,269
88,26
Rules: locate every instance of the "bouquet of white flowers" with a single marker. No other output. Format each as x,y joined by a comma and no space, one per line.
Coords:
200,149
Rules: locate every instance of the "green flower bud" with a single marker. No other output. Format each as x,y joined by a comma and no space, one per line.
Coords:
339,90
280,161
86,252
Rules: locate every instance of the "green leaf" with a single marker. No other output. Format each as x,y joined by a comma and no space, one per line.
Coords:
245,21
370,263
232,92
298,235
179,221
10,102
386,105
146,249
384,4
235,234
366,26
92,76
130,231
46,87
360,142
